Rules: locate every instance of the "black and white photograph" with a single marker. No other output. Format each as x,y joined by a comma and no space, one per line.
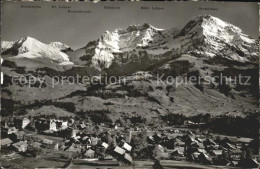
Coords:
130,85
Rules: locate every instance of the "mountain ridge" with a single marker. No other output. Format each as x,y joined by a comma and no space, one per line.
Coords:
200,48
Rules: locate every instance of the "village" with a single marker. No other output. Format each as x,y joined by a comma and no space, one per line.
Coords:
81,142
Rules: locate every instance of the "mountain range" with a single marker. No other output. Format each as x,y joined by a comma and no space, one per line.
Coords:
204,46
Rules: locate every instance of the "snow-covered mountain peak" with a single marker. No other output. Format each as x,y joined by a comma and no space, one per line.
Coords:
30,44
131,37
124,40
210,36
28,51
208,25
136,28
6,45
59,45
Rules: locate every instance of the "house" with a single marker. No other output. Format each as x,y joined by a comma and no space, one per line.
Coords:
89,154
157,138
200,150
178,152
64,125
82,126
56,146
179,142
160,111
150,139
195,156
176,131
49,132
19,135
21,146
5,142
188,122
217,152
53,126
11,130
210,148
74,148
244,140
47,141
105,145
36,145
73,133
205,159
228,146
127,147
209,142
94,141
159,151
197,144
128,158
25,122
119,150
199,140
233,163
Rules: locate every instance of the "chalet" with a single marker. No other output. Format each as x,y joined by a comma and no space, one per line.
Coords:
127,147
188,122
217,152
178,152
49,132
244,140
195,156
89,154
18,135
36,145
150,139
56,146
47,141
179,142
5,142
197,144
73,133
157,138
105,145
228,146
20,146
209,142
64,125
119,150
73,148
81,126
11,130
233,163
160,111
190,139
128,158
205,159
94,141
199,140
210,148
25,122
53,126
200,150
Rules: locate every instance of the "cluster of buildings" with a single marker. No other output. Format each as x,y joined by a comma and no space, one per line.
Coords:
81,140
205,149
123,145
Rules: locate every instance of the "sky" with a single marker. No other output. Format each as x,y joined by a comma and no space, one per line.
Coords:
76,30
